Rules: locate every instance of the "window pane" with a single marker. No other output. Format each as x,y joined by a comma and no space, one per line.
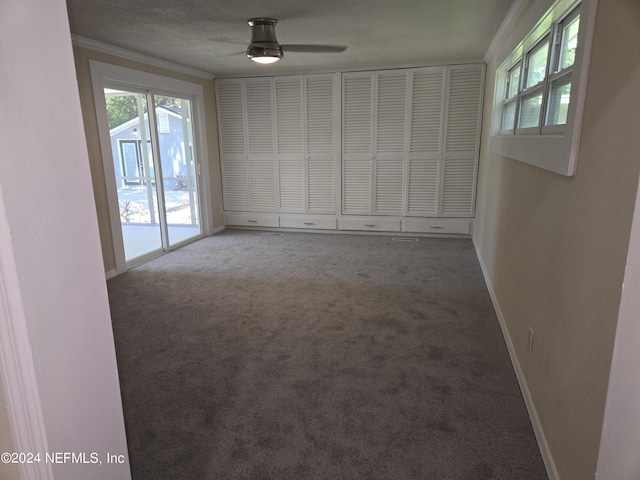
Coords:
569,44
559,101
530,110
175,138
509,116
513,82
537,64
129,128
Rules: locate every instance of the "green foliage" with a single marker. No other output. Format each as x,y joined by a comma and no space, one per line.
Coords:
167,101
123,108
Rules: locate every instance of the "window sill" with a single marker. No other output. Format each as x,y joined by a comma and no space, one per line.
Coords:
551,152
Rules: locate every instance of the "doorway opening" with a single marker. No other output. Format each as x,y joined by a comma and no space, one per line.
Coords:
155,162
154,167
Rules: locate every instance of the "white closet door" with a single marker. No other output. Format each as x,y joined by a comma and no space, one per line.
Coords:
289,128
357,124
390,136
320,143
425,150
409,142
233,149
461,140
261,141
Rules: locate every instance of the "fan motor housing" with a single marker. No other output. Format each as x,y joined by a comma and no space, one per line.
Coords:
263,39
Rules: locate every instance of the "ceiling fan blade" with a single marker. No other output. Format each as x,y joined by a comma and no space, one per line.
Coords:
243,52
314,48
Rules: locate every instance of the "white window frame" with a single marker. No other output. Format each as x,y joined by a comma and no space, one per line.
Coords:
555,74
513,99
552,147
527,90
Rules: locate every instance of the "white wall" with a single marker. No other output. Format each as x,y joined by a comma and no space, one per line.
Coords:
58,310
555,248
620,445
8,471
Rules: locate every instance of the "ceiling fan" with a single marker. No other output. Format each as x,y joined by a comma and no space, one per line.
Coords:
264,47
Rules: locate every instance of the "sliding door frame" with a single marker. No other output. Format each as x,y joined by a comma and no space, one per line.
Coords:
105,76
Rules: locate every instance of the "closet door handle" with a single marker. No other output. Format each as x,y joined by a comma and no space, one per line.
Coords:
309,223
369,225
252,221
435,226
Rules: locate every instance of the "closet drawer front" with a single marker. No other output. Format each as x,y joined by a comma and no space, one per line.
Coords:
438,225
307,221
253,219
374,224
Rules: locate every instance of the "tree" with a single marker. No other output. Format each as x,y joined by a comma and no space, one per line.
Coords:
122,108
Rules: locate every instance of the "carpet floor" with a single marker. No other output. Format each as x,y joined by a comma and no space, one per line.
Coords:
252,355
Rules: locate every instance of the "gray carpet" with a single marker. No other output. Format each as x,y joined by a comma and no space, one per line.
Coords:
305,356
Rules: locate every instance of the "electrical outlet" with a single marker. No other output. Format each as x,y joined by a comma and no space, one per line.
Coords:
530,341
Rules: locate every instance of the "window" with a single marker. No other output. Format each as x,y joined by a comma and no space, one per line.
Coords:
511,100
132,163
545,89
163,122
536,64
566,42
541,85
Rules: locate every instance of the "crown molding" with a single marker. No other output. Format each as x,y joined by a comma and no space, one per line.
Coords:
512,16
138,57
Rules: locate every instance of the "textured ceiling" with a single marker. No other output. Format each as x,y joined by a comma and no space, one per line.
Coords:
211,35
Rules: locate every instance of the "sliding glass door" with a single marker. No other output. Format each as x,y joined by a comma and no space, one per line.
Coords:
155,170
175,137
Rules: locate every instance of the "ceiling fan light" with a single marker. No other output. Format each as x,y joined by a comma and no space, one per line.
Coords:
265,60
264,52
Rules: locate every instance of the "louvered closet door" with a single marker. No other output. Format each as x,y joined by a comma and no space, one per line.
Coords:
320,143
427,111
291,171
357,145
261,142
390,143
461,140
232,145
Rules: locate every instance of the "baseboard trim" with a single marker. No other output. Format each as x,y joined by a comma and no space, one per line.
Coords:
543,445
111,274
348,232
217,230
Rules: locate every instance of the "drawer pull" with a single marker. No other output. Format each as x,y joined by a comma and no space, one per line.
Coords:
435,226
252,221
309,223
369,225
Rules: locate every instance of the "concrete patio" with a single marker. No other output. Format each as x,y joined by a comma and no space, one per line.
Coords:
140,225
